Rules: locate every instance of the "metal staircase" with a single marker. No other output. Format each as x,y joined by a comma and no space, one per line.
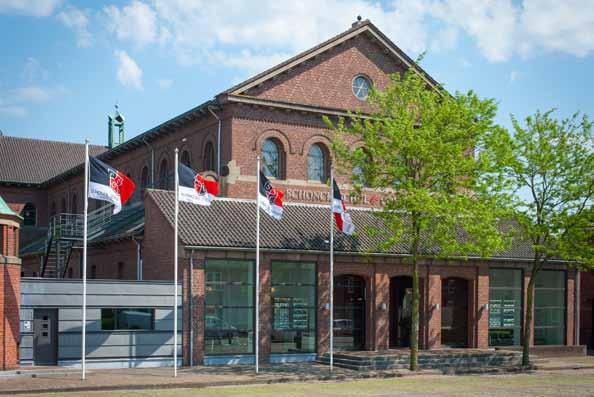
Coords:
64,233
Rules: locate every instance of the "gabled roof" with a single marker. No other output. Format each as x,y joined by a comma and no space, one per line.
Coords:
34,161
357,29
231,224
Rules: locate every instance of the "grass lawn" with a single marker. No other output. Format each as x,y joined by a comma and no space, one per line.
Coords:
557,384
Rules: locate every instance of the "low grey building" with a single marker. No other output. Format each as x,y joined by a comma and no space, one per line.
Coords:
129,323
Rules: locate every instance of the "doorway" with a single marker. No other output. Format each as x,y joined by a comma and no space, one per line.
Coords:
400,311
45,334
454,312
349,313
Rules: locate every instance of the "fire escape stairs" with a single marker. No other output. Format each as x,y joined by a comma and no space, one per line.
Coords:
65,232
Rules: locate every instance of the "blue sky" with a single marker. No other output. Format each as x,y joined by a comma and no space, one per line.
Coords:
66,63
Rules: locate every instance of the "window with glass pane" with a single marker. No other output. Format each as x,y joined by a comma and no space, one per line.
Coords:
293,307
271,158
229,319
127,319
316,164
549,307
505,307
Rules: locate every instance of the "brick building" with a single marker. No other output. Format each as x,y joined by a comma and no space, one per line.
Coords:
277,114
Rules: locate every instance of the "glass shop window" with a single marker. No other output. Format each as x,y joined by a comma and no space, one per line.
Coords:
549,307
229,318
293,307
127,319
505,307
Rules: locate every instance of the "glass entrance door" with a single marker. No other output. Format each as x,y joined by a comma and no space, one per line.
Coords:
454,312
400,311
349,313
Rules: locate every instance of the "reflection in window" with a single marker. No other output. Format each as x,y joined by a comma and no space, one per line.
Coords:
317,164
293,307
163,175
549,307
144,179
127,319
271,158
74,204
505,307
209,157
29,215
185,158
229,304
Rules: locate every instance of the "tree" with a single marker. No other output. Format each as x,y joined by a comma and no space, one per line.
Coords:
429,154
550,172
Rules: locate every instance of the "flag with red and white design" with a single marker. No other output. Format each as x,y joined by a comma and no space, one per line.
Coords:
194,188
270,199
341,216
108,184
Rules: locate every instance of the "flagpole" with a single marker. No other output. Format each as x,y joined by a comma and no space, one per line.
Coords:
257,331
331,269
176,214
84,265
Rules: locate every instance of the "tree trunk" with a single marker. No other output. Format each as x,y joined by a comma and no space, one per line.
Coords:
414,326
528,318
414,331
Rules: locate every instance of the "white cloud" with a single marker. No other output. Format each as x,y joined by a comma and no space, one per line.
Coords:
35,8
78,21
135,23
513,76
561,26
252,35
165,84
33,71
33,94
13,110
129,73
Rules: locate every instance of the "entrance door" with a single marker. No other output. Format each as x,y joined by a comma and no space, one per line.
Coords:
400,311
45,343
349,313
454,312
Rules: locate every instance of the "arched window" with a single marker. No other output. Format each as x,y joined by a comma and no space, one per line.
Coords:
358,176
74,204
185,158
29,214
144,179
317,163
163,175
272,158
209,157
63,208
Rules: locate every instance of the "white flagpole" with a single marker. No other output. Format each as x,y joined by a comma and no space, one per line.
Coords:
84,265
331,348
257,331
175,266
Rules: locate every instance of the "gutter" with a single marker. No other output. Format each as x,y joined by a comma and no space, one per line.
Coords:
372,254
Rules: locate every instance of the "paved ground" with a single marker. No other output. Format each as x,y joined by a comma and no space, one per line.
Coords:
559,376
575,383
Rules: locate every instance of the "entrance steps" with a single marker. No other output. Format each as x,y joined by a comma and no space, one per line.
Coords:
447,360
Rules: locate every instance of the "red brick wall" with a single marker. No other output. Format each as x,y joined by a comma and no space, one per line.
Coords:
586,304
570,312
9,309
327,80
157,244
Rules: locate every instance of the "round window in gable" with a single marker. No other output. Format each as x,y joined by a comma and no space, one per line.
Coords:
361,86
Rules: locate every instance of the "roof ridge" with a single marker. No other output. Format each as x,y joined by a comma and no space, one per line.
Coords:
49,141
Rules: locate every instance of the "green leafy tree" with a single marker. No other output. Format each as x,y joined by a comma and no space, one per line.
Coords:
430,155
550,171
